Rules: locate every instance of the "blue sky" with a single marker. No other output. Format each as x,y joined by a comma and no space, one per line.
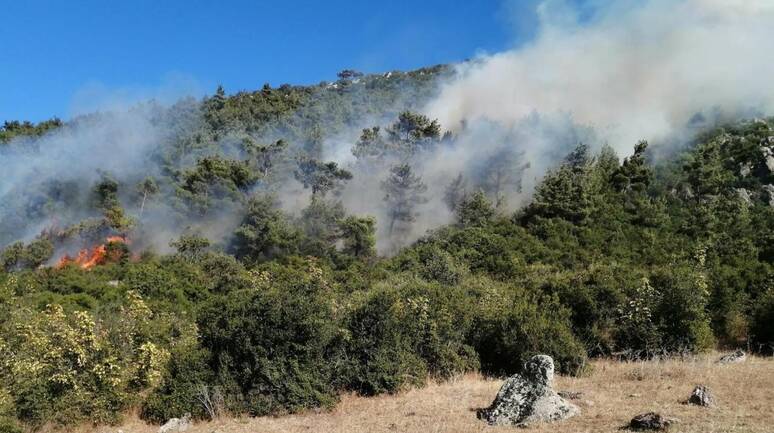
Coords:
61,58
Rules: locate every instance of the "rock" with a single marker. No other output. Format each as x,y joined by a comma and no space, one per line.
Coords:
733,358
745,169
570,395
529,398
701,396
651,421
744,195
769,189
768,156
176,424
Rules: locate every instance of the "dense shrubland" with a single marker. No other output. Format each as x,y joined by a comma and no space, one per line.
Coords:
629,258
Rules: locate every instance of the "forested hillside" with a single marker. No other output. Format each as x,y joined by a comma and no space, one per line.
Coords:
262,252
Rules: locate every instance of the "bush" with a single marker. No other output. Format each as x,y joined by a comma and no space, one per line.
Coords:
404,331
68,367
763,324
271,346
511,325
681,313
186,374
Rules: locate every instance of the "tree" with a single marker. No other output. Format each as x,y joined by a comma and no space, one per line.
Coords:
475,211
412,127
634,174
264,232
371,145
359,236
191,246
408,135
320,225
105,193
502,172
147,188
456,193
349,74
403,192
264,157
320,177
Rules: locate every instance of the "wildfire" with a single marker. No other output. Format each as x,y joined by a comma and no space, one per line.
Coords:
87,258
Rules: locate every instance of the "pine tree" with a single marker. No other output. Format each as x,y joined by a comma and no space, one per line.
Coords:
403,192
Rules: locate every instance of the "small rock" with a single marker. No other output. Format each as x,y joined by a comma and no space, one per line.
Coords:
701,396
528,398
176,424
635,395
745,169
571,395
651,421
733,358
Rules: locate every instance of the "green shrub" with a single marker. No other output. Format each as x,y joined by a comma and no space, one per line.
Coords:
404,331
763,324
186,375
68,367
511,325
271,345
10,425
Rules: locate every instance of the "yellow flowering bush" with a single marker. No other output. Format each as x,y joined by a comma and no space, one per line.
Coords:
67,366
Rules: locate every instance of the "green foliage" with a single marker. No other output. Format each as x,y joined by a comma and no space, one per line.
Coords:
475,211
511,325
404,331
280,362
403,192
60,367
15,128
264,232
637,257
359,236
320,177
763,323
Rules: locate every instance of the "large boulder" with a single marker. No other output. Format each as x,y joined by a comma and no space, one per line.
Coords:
529,397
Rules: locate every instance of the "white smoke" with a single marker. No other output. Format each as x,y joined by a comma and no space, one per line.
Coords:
633,70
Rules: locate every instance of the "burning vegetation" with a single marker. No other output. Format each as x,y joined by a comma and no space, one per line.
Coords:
114,248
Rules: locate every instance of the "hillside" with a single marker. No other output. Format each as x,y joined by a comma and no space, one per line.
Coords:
273,252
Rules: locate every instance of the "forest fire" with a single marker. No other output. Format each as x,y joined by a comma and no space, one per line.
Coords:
87,258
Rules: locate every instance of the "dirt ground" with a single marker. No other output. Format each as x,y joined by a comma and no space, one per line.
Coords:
612,394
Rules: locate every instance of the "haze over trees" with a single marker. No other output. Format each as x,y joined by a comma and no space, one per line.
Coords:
246,275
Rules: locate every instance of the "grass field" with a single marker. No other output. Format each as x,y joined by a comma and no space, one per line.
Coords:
612,394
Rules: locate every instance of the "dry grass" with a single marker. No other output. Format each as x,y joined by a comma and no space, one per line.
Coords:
612,394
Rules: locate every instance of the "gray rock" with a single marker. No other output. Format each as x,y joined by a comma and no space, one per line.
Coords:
651,421
733,358
769,189
701,396
745,169
745,196
768,156
529,398
176,424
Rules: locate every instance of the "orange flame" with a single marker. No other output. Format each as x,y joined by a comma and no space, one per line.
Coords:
88,258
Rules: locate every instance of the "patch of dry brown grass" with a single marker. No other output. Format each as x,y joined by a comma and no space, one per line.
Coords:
612,395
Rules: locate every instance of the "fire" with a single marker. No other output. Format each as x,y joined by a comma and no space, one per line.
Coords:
87,258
